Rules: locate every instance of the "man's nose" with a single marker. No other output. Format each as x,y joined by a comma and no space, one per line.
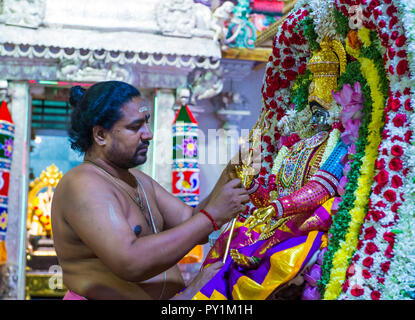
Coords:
147,133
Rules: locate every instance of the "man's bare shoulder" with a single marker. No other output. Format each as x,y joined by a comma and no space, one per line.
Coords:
144,178
82,183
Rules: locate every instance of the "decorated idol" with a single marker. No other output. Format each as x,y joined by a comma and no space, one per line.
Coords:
325,213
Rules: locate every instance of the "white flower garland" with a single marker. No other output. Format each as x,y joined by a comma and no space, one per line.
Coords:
400,280
331,144
278,161
386,224
323,18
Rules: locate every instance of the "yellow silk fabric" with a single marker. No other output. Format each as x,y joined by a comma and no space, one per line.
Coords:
284,266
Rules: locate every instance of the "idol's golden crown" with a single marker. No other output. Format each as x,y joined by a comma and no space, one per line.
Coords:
326,65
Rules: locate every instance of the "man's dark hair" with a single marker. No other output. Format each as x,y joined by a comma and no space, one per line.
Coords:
99,105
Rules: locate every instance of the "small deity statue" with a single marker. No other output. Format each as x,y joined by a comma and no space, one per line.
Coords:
294,205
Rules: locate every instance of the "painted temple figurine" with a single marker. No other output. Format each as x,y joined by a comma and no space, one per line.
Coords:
289,224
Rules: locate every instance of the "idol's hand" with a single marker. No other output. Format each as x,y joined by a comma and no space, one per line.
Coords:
245,174
260,216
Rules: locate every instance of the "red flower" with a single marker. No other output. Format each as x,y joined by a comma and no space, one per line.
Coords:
368,262
395,207
396,151
402,54
389,237
302,69
370,233
350,270
385,266
268,158
375,295
400,41
396,181
399,120
390,195
402,67
376,215
371,248
408,136
382,178
288,62
357,290
290,74
284,83
366,274
266,139
388,251
407,105
345,285
396,164
380,164
394,104
277,136
380,204
377,189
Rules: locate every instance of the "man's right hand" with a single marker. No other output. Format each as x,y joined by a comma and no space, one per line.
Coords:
227,202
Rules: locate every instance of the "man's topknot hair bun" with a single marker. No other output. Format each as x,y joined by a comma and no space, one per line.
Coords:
76,94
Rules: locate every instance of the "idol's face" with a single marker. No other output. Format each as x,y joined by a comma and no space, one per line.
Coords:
319,117
130,136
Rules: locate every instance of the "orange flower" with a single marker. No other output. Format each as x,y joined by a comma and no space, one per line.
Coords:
354,39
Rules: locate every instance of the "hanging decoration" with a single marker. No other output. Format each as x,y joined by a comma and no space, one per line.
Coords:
6,151
186,184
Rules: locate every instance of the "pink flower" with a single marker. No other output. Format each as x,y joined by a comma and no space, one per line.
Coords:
341,188
351,99
311,293
351,132
313,275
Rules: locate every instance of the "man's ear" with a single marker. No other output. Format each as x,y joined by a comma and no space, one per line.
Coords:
99,134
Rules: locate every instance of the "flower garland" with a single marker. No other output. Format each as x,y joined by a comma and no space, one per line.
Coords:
371,261
398,286
394,170
358,212
287,61
278,161
339,228
331,144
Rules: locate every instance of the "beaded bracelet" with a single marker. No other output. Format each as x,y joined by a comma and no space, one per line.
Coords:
215,226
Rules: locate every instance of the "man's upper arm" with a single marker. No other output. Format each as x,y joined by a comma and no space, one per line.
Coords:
95,214
174,210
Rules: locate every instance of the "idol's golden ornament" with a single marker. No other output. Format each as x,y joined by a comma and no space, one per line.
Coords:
326,65
245,172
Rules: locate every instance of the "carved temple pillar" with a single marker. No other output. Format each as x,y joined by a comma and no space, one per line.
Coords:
12,284
163,137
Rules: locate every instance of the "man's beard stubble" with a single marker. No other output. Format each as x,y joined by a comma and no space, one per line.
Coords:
121,160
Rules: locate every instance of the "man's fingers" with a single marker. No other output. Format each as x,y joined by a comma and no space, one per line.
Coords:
215,266
235,182
245,198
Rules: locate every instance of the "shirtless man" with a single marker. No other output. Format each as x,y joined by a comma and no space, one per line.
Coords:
118,234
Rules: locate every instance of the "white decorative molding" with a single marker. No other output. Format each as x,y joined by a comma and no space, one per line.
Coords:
23,13
184,18
74,71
